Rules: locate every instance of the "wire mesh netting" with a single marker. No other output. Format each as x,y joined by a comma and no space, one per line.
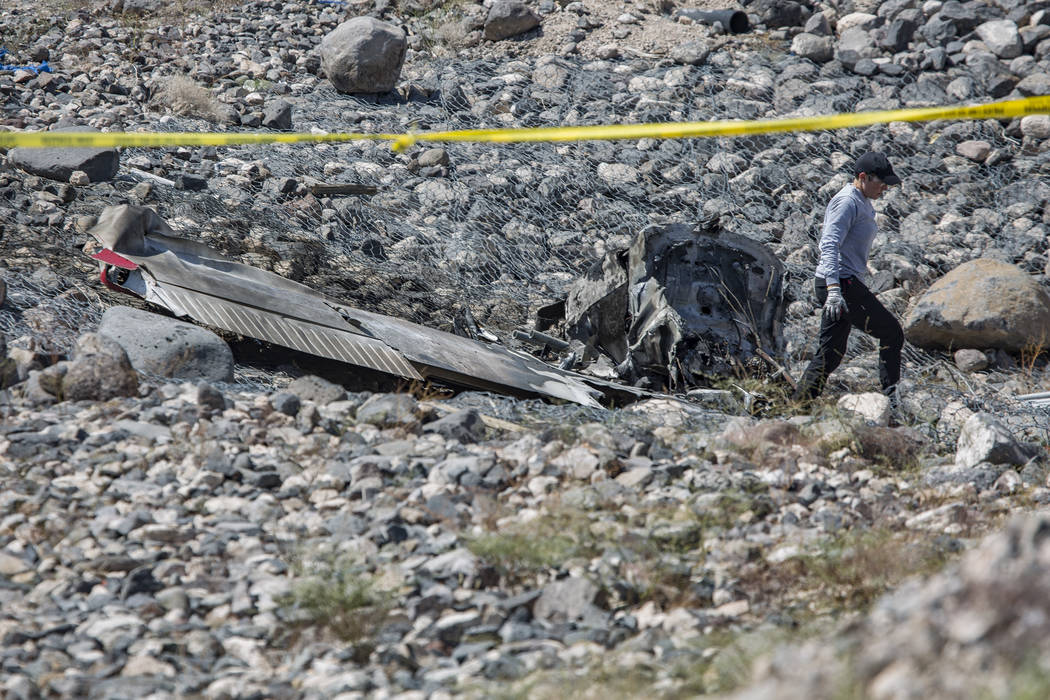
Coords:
502,229
519,222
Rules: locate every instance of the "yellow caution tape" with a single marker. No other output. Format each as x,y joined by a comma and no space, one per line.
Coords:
669,130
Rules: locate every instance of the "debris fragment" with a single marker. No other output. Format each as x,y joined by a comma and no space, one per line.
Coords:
679,305
143,256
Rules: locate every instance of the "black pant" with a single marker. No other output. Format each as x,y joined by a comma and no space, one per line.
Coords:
869,315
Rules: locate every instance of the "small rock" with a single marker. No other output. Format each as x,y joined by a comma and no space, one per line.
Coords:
507,18
819,49
285,402
388,410
568,600
871,406
464,426
976,151
278,115
970,360
100,370
210,398
691,53
190,183
433,157
11,565
316,389
1001,37
1036,126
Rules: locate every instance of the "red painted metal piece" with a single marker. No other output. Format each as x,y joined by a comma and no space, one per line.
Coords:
109,257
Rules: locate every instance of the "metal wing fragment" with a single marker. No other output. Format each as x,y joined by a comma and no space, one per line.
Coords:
190,279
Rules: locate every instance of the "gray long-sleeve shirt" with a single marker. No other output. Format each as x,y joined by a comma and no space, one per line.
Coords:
845,240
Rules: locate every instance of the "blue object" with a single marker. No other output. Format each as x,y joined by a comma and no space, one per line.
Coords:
42,68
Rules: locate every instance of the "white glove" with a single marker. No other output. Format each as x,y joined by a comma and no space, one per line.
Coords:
835,305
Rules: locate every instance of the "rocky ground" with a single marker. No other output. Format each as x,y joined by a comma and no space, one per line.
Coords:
278,536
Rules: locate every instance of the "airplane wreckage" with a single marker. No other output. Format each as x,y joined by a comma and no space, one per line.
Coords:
656,308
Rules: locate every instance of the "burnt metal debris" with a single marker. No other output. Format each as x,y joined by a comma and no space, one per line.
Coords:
680,305
142,256
734,21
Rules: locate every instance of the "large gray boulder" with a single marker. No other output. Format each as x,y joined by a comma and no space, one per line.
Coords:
167,347
99,371
58,164
509,18
364,55
981,304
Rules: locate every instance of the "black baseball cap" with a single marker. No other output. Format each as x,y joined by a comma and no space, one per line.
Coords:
875,163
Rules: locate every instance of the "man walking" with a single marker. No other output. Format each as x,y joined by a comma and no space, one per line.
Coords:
845,240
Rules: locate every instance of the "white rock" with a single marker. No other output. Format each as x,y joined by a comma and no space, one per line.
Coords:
937,518
984,438
636,478
11,565
1001,37
1036,126
146,665
871,406
541,485
863,20
954,414
726,162
644,83
733,609
579,462
249,651
617,173
976,151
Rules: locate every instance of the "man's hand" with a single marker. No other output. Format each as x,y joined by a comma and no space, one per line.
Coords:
835,305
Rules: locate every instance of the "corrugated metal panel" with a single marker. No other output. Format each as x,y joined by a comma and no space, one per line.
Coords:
292,333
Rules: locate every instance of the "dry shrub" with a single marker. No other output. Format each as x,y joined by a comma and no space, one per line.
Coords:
849,571
186,98
451,33
897,446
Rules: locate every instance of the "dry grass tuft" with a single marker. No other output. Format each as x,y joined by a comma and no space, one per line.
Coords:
184,97
849,571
